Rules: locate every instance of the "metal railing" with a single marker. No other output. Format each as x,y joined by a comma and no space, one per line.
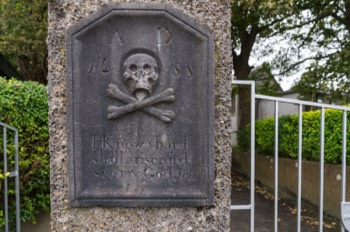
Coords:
301,104
250,206
10,174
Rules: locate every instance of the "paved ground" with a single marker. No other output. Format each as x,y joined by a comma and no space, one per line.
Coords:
264,209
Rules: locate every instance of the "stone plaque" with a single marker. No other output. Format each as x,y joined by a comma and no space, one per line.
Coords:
140,108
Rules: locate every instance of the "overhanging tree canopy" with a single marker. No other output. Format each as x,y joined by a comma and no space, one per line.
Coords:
253,21
23,31
315,31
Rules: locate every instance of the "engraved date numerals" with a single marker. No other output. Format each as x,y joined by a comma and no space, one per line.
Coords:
98,66
185,71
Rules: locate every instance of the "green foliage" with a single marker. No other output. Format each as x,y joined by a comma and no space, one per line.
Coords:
310,84
23,105
288,136
265,82
326,40
23,31
234,90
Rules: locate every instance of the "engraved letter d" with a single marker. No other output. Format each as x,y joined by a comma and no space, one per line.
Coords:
163,37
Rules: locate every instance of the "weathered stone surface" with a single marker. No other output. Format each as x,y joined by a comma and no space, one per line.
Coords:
216,16
140,108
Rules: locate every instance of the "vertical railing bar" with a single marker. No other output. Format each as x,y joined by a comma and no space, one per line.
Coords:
276,168
321,166
252,157
18,212
300,158
5,179
344,136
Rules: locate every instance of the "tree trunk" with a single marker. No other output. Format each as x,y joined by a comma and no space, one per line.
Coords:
31,69
242,72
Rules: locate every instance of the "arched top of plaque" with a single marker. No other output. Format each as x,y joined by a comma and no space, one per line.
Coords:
162,11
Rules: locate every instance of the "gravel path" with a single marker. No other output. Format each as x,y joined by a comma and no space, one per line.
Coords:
264,211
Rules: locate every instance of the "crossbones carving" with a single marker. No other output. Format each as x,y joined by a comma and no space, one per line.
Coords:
140,76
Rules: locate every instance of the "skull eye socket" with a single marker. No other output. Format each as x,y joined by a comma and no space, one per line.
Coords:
151,80
147,68
133,68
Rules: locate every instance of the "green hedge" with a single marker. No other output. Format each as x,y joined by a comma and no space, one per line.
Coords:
23,105
288,136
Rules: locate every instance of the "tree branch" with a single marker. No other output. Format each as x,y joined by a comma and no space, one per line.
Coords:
342,21
291,67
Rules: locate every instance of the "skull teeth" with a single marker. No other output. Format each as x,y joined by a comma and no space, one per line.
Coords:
142,86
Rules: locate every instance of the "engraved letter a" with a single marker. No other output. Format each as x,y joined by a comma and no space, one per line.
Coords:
117,39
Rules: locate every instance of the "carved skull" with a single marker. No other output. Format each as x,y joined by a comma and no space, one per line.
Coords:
140,74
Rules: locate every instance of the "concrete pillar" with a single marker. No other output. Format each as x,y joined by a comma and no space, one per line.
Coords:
216,16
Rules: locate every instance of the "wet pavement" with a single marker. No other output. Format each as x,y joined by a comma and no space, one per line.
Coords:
264,211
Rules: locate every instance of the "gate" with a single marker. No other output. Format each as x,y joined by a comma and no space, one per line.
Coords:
10,170
345,206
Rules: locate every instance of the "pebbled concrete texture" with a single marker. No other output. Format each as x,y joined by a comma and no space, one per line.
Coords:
215,15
